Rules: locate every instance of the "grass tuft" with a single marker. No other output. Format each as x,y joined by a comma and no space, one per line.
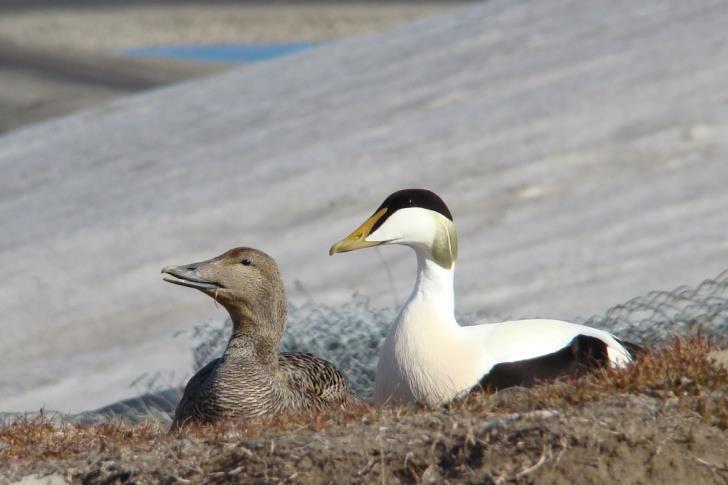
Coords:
39,439
679,372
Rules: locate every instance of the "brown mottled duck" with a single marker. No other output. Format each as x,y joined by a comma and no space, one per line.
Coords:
252,378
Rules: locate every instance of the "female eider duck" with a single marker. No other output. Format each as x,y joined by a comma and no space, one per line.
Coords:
427,356
251,378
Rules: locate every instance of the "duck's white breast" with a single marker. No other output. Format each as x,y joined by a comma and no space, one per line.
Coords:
426,357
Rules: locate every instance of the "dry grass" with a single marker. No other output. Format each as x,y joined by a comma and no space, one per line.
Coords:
401,443
679,371
256,428
38,439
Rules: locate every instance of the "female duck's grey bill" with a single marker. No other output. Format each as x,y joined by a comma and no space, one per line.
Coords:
187,276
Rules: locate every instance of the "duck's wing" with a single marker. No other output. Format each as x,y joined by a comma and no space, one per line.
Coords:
521,353
583,353
197,392
314,379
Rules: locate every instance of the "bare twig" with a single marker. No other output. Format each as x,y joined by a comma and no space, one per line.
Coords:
711,465
564,444
508,418
245,451
395,296
545,456
366,468
383,464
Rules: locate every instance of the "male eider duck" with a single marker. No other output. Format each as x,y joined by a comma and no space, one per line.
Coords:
252,378
427,356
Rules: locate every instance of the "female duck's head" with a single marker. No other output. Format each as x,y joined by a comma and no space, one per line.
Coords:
413,217
245,281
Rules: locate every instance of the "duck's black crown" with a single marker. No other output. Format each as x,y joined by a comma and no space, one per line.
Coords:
405,198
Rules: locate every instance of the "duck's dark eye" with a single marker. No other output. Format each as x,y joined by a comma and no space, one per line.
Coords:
246,262
409,202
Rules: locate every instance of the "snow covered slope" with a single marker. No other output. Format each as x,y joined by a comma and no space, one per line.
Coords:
582,147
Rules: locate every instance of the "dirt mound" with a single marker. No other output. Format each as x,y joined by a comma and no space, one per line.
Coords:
663,419
624,438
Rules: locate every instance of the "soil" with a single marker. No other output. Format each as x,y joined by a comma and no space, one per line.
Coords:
621,438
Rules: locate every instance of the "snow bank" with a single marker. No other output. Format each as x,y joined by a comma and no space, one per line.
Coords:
582,148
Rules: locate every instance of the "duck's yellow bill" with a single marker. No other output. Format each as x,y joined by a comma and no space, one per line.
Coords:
357,239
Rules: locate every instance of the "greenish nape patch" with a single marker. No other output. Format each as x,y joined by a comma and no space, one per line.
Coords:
445,244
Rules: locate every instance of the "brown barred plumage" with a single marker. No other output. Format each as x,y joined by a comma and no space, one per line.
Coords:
251,378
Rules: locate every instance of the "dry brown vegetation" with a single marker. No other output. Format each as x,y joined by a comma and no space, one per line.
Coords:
665,418
680,372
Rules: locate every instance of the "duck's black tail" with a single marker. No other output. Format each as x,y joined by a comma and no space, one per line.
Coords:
636,351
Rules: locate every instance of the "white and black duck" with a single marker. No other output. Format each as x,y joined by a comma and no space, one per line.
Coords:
427,356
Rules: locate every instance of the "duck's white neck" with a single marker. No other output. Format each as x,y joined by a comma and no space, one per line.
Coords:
420,358
434,285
